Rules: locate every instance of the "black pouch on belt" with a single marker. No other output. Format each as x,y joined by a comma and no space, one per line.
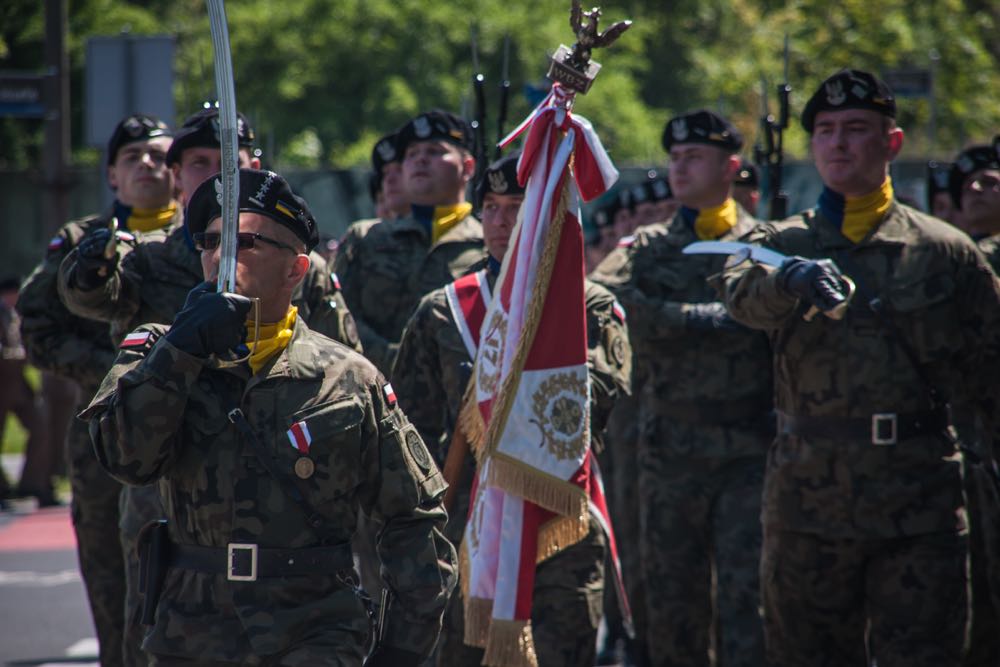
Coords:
154,558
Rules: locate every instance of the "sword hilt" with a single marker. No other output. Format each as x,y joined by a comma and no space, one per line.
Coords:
838,311
232,363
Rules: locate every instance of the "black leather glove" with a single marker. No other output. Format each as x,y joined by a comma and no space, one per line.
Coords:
390,656
209,323
817,281
711,316
93,268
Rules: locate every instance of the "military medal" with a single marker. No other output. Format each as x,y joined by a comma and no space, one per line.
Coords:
304,467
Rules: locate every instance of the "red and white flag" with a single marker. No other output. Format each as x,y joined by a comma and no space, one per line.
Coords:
300,437
529,423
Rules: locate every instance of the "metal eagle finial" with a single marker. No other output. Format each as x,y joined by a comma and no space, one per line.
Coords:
588,35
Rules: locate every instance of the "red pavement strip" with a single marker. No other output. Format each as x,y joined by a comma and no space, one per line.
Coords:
49,529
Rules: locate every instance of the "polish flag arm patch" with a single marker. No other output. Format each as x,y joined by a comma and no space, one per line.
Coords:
55,243
618,312
390,395
335,280
300,437
137,340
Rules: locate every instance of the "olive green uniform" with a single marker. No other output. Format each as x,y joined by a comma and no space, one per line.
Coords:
161,416
864,516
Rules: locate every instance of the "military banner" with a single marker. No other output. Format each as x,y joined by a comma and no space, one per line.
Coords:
528,418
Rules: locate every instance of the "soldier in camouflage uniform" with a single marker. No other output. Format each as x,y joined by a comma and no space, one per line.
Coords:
391,200
151,283
387,266
974,190
864,519
432,369
703,413
272,457
81,350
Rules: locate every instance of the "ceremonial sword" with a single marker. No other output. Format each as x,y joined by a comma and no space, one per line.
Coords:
741,252
230,166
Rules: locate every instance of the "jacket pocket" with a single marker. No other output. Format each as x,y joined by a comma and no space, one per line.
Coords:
322,445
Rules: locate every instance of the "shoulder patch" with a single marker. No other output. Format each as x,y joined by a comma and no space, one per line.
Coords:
138,340
626,241
334,279
55,243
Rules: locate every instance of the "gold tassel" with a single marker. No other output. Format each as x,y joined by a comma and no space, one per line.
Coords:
559,533
478,613
464,568
510,645
551,493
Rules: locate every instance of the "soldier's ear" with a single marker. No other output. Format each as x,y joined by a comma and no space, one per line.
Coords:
468,166
297,271
112,177
895,142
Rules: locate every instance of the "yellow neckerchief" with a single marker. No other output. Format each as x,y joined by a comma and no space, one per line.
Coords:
446,217
712,223
273,339
856,216
149,219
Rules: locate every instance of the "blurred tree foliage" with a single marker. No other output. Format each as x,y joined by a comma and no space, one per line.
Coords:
322,79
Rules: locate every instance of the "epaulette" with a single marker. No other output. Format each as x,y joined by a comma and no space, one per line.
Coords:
138,340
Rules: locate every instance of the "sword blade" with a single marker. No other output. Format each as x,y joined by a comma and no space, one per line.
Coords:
756,252
230,167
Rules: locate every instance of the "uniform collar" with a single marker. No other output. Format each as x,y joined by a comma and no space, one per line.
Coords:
891,230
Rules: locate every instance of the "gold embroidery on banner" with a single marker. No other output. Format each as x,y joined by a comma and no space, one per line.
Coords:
559,405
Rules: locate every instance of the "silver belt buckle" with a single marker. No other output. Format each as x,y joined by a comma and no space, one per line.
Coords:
880,421
231,551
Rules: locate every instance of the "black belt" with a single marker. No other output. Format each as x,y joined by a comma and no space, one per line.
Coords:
882,428
248,562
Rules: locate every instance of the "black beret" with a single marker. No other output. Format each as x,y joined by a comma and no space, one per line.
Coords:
436,124
202,129
938,174
263,192
747,175
849,89
500,178
972,159
702,127
137,127
386,150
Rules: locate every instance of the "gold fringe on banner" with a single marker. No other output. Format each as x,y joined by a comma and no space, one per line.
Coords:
464,570
470,419
559,533
551,493
510,645
478,617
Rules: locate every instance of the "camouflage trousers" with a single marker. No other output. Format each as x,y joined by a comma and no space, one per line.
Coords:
95,521
565,611
981,492
700,548
138,506
823,597
619,465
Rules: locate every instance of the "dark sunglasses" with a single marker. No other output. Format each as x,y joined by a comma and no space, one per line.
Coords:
244,241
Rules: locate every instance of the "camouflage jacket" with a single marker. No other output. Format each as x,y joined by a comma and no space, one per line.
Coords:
160,415
386,266
944,300
151,284
714,376
433,368
56,339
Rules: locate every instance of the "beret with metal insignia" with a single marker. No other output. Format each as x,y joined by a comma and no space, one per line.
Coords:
263,192
500,178
849,89
702,127
202,129
747,175
659,189
137,127
937,179
435,125
969,161
386,150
